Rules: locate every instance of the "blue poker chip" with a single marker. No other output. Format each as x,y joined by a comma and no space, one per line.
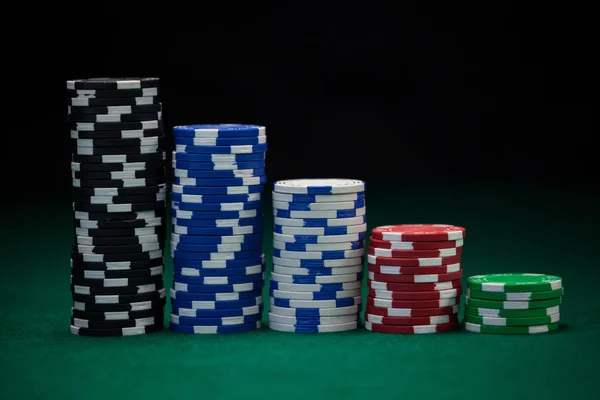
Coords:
238,255
216,300
234,141
252,181
217,280
218,313
197,329
217,305
218,158
222,207
217,190
215,223
203,240
219,130
192,199
190,263
257,148
253,270
216,248
307,246
216,321
359,212
236,230
210,290
221,174
213,166
318,287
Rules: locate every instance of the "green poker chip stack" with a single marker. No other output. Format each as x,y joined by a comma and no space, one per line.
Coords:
513,303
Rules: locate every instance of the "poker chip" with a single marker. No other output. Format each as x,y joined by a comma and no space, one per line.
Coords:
217,224
513,303
318,255
119,202
414,274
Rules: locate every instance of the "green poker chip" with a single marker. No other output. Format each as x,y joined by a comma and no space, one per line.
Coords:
495,321
512,305
514,283
511,330
518,296
492,312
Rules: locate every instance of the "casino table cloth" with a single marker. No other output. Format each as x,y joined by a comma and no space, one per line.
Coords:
509,229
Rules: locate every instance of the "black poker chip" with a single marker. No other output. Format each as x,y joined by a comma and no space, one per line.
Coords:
121,83
118,166
120,307
119,158
118,175
116,316
103,266
149,108
135,142
114,117
118,183
117,332
118,191
124,134
115,126
112,93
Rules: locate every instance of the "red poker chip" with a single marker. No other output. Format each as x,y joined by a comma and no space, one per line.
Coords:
371,301
411,329
413,262
386,244
432,320
415,253
424,278
431,295
412,287
412,312
392,270
419,232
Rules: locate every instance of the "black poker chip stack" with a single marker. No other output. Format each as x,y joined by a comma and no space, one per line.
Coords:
119,202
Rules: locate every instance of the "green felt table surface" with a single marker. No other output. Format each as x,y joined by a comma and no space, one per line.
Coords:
509,229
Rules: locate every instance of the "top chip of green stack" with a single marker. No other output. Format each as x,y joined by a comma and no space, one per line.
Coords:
514,282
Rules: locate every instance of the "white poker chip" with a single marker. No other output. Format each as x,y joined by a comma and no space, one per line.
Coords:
319,186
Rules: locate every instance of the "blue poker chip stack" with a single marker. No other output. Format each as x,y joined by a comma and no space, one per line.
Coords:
216,243
119,206
318,255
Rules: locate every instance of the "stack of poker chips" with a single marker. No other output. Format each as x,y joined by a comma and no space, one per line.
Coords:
513,303
414,278
119,206
216,243
318,255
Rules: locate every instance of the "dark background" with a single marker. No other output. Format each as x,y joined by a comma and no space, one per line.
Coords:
409,93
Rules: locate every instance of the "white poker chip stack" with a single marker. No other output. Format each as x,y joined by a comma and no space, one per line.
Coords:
318,255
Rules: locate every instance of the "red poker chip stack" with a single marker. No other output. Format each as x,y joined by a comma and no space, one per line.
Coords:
414,282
